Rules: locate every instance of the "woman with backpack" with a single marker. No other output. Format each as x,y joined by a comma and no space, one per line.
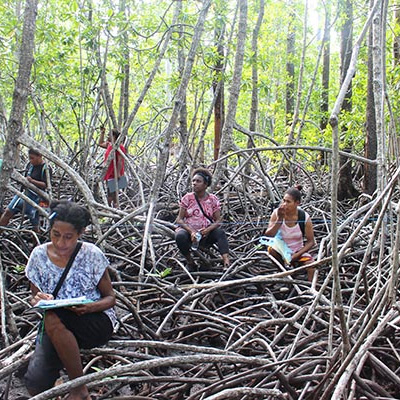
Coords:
294,227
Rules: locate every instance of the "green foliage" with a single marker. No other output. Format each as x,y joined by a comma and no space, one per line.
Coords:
162,274
19,269
72,37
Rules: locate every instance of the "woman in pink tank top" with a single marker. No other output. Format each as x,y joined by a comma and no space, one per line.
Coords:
285,225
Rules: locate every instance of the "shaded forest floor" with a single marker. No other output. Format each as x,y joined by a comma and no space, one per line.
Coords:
254,331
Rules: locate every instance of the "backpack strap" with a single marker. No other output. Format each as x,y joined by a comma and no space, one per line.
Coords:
301,220
28,169
44,171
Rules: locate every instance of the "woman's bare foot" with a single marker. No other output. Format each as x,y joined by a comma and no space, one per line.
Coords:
226,261
192,266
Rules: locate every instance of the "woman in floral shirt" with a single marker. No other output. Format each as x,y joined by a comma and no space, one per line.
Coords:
200,213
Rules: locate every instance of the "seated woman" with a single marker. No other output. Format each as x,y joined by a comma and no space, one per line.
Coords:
66,330
297,233
200,213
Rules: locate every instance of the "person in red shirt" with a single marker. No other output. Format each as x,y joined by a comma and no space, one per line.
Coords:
116,167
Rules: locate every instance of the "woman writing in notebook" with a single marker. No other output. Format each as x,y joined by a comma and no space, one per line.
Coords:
286,224
199,219
65,268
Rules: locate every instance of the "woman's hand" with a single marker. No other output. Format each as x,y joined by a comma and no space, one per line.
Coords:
205,231
106,301
40,296
281,210
81,309
193,235
295,257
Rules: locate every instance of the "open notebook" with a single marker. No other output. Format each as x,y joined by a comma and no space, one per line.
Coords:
76,301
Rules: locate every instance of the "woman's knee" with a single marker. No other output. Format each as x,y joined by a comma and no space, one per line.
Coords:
182,235
276,255
182,239
52,324
222,241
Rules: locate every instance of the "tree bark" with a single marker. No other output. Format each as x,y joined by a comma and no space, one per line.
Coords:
370,171
105,90
326,61
124,99
254,83
346,189
290,53
183,126
254,72
334,122
396,39
20,96
218,86
378,56
226,139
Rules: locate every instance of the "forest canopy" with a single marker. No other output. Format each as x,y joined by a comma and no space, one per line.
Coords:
77,42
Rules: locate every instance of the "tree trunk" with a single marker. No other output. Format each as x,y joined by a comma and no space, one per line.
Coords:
179,99
295,112
226,139
396,39
325,75
370,171
346,189
124,99
105,90
337,304
254,83
20,96
183,127
379,79
218,89
254,73
290,53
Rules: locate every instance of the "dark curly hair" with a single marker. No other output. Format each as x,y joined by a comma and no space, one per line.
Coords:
205,174
76,215
295,192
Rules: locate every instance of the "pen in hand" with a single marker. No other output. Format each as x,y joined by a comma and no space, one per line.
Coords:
40,295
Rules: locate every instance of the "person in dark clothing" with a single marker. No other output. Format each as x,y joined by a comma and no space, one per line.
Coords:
36,174
199,219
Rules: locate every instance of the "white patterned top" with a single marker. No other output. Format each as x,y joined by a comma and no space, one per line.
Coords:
86,271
